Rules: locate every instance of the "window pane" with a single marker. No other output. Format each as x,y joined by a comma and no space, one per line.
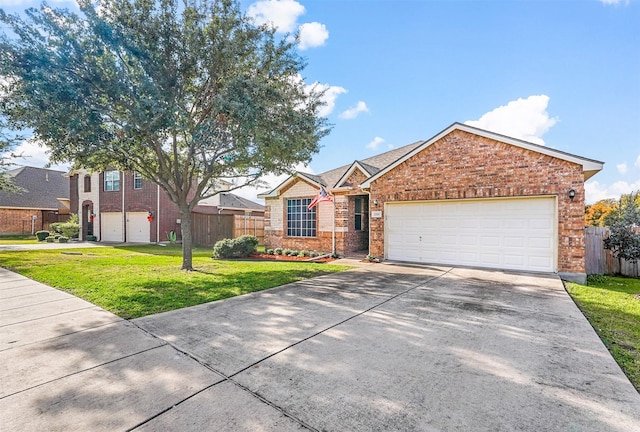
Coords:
301,222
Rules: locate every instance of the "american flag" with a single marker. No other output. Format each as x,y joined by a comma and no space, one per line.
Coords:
322,196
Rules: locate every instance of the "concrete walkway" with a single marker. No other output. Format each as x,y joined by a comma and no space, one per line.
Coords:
383,347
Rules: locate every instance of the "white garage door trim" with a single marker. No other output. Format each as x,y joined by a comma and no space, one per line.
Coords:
111,227
507,233
138,227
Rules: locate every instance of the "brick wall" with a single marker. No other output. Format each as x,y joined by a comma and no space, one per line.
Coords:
463,165
16,221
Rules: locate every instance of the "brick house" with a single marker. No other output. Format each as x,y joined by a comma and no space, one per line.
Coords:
118,206
466,197
44,199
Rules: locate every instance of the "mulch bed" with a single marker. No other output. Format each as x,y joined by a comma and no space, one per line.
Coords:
264,256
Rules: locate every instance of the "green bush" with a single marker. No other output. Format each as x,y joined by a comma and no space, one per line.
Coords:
55,227
313,254
42,235
50,239
270,252
63,239
92,238
246,245
278,251
240,247
69,229
223,248
287,252
303,253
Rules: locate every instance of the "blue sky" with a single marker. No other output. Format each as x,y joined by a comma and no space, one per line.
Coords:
561,73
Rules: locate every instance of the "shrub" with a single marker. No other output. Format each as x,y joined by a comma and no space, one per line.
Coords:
270,252
223,248
42,235
313,254
278,251
240,247
63,239
303,253
55,227
50,239
92,238
287,252
246,245
69,229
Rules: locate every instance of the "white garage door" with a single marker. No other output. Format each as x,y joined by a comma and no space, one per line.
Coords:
138,227
517,234
111,227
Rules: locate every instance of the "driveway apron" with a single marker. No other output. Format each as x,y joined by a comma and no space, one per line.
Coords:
385,347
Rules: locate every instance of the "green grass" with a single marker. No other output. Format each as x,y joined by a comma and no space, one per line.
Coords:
135,281
612,306
18,239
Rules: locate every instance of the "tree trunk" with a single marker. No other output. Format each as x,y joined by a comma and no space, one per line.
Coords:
187,239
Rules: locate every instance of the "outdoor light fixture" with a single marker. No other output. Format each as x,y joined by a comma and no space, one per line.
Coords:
572,194
375,203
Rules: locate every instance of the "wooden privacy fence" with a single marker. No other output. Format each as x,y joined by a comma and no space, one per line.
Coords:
599,260
207,229
250,225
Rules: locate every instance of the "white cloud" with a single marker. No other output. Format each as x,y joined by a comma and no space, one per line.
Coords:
352,113
373,145
34,155
595,191
312,35
526,119
614,2
282,14
637,162
330,96
622,168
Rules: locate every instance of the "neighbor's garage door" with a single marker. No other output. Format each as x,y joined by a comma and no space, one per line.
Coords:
517,234
111,227
138,227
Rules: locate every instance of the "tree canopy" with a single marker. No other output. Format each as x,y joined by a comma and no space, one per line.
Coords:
595,214
182,92
624,224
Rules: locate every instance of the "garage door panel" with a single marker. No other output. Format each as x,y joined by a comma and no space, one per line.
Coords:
111,227
511,233
138,227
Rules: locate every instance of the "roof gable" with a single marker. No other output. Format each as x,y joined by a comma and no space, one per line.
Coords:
42,189
590,167
356,165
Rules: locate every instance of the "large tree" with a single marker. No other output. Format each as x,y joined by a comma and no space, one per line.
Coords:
182,92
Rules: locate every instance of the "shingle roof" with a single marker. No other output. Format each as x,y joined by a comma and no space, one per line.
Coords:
42,188
229,200
372,164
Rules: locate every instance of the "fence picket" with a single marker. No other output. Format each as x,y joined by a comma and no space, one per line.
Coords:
599,260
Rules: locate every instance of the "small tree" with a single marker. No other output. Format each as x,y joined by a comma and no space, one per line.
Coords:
624,224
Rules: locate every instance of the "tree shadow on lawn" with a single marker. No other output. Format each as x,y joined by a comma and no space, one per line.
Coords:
155,296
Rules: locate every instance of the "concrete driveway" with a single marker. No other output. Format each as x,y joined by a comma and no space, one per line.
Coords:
384,347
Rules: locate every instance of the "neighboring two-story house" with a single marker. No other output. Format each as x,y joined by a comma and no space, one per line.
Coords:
117,206
43,198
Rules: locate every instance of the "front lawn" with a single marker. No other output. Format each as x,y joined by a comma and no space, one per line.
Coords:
612,306
18,239
135,281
